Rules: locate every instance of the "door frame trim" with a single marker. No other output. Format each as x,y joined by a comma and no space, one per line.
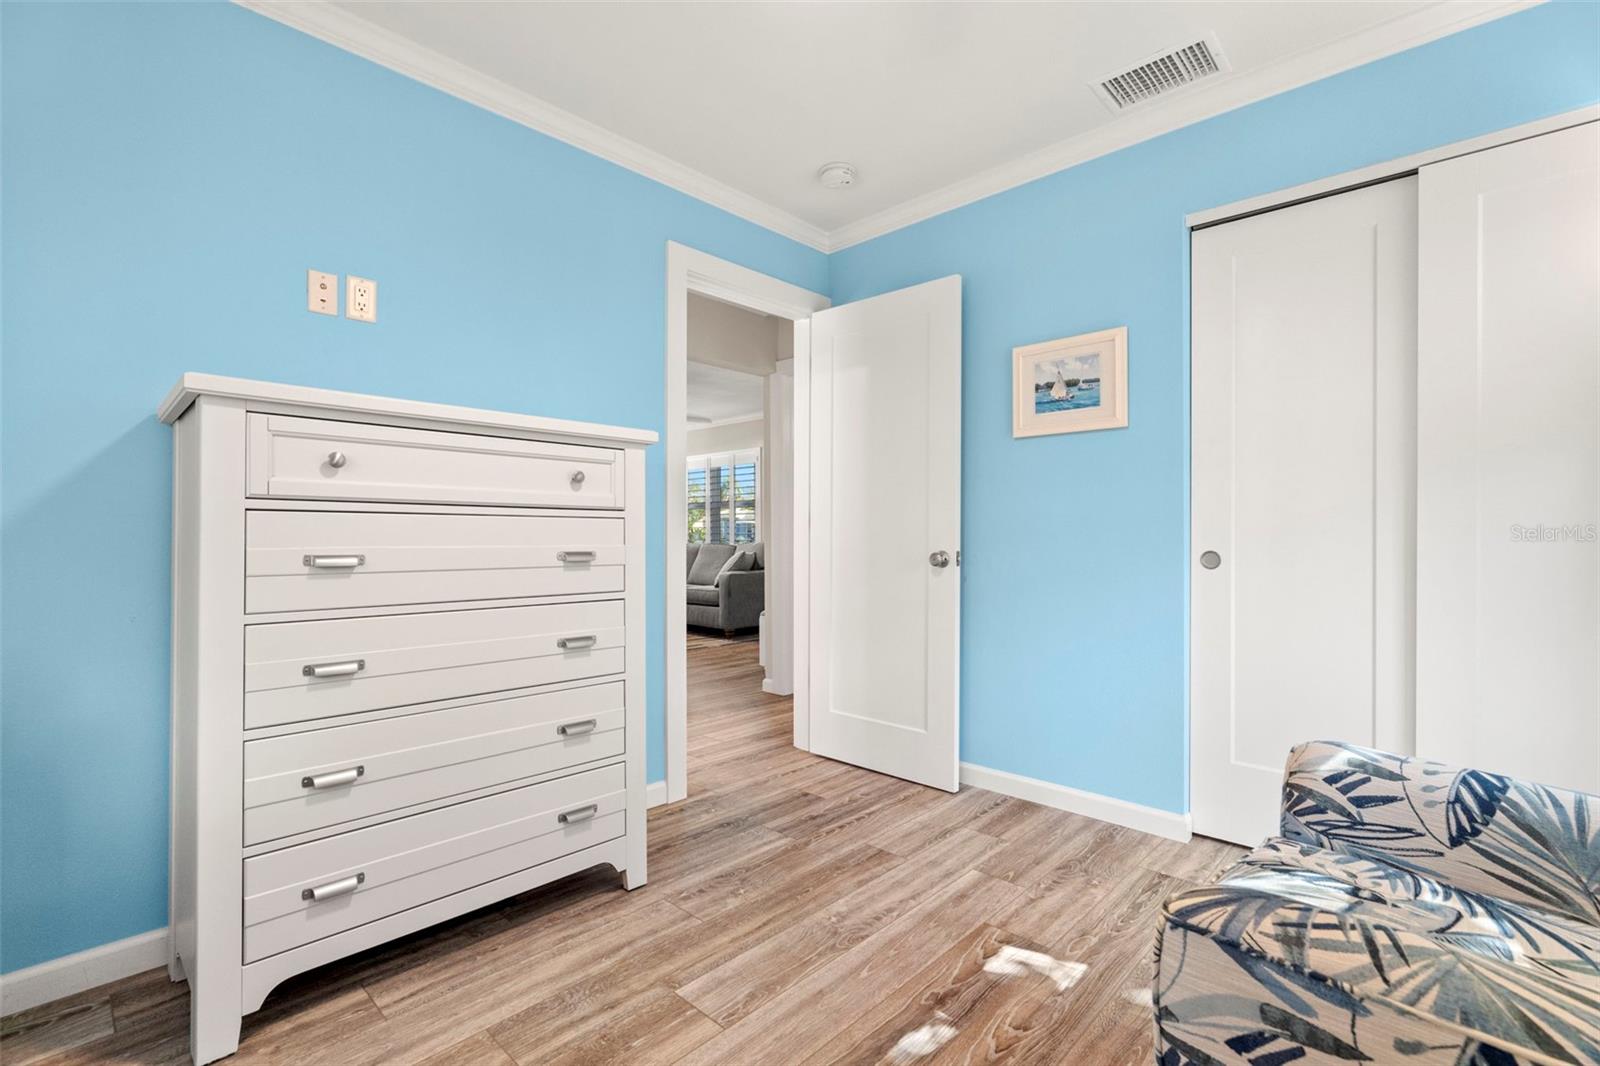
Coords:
690,270
1393,168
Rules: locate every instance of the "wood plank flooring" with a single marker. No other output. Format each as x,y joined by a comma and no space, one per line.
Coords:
799,911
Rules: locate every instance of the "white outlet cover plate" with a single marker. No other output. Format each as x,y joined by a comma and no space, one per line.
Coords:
361,299
322,292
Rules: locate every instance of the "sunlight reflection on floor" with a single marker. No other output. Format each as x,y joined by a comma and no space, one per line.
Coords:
1011,960
922,1041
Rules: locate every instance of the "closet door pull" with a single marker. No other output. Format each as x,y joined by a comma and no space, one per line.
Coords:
575,643
333,562
575,557
577,729
581,814
344,669
333,889
333,779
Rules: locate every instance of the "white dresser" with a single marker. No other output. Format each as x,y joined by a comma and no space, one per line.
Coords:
407,673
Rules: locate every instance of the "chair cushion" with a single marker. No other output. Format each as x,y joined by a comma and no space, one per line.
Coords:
705,594
694,550
1523,977
1470,829
709,560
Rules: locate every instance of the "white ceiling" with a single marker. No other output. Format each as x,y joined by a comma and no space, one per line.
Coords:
722,395
935,103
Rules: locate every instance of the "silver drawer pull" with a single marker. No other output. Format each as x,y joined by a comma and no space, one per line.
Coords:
336,459
334,779
577,478
344,669
574,643
577,729
582,814
333,889
575,557
333,562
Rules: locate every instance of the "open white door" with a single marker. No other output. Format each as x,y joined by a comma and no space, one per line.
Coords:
884,437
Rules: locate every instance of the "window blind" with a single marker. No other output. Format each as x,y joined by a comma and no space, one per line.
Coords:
723,495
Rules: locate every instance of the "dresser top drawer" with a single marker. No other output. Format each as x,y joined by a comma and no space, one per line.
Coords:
313,458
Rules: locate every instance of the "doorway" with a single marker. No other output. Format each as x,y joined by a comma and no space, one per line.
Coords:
861,585
731,642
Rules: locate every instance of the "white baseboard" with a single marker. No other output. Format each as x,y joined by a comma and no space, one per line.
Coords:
655,794
771,688
71,974
1151,820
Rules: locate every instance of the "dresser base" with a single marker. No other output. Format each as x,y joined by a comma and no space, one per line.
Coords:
260,978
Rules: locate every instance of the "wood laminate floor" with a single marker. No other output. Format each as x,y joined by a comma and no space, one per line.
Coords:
798,911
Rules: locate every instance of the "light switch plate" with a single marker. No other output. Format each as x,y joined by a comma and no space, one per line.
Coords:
322,292
361,299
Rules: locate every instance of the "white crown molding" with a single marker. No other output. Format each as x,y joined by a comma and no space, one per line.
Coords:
340,28
732,420
1227,93
354,34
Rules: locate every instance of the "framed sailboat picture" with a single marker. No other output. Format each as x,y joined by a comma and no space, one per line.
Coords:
1070,385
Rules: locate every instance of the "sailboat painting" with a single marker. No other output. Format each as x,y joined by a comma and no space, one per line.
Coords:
1068,384
1071,384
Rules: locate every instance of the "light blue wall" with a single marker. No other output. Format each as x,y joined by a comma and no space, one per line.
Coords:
167,181
1074,570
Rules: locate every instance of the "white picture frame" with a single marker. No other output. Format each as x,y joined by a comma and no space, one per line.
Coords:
1071,384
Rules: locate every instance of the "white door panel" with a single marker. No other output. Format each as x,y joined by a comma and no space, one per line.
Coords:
885,494
1304,334
1508,582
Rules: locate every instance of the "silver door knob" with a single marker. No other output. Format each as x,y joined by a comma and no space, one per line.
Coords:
939,560
336,459
1210,560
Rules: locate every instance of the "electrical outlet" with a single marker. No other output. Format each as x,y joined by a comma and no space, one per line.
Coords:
361,299
322,292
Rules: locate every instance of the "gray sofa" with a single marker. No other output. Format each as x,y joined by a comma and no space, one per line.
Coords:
727,586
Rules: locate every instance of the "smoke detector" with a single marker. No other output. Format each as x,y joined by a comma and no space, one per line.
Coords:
836,175
1161,74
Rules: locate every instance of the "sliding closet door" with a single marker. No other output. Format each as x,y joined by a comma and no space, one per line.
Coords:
1304,348
1508,586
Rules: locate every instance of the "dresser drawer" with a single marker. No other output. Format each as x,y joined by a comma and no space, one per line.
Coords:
315,560
312,458
305,781
304,893
301,671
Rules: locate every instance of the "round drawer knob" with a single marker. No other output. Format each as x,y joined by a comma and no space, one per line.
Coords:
577,478
336,459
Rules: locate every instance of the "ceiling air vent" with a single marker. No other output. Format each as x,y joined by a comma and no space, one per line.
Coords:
1162,74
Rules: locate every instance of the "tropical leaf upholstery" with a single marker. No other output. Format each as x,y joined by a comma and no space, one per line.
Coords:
1410,913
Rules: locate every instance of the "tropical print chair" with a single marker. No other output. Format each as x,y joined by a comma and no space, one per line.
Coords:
1410,913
